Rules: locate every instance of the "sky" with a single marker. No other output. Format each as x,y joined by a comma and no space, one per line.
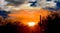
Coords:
33,3
35,15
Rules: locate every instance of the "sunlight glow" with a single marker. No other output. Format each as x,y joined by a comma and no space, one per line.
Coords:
31,23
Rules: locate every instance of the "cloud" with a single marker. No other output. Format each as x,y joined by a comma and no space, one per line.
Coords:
16,2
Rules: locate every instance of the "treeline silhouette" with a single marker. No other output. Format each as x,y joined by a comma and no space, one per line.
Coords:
7,26
52,24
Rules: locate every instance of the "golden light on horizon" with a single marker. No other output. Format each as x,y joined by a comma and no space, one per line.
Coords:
31,23
29,17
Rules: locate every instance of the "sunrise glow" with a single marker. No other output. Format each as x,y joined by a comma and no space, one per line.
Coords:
31,23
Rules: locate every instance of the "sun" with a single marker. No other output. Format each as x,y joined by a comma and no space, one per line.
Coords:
31,23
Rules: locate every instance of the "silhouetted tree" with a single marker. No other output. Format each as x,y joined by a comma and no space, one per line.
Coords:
53,24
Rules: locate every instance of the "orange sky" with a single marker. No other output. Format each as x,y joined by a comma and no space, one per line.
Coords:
29,15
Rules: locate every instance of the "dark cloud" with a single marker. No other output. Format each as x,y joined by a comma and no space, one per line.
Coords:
4,14
16,2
